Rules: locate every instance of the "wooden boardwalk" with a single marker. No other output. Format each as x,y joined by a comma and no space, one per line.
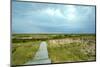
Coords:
41,56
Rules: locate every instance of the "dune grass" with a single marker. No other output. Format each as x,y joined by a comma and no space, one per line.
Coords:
61,47
72,52
23,52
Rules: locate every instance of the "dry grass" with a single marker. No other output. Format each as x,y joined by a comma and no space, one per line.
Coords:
72,50
23,52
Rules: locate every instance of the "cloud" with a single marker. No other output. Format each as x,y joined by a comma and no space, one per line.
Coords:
52,12
39,17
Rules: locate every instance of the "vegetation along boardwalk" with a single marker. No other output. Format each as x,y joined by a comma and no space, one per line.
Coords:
41,56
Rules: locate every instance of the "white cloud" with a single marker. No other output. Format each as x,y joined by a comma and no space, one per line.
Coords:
53,12
49,11
70,8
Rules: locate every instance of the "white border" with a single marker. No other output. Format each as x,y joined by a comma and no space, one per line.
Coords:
91,2
4,33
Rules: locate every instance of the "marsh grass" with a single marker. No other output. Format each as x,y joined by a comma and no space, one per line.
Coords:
82,50
23,52
61,47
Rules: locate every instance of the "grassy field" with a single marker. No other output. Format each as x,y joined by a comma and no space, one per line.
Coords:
72,49
23,52
61,47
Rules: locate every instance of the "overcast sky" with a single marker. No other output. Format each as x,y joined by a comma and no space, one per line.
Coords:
30,17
